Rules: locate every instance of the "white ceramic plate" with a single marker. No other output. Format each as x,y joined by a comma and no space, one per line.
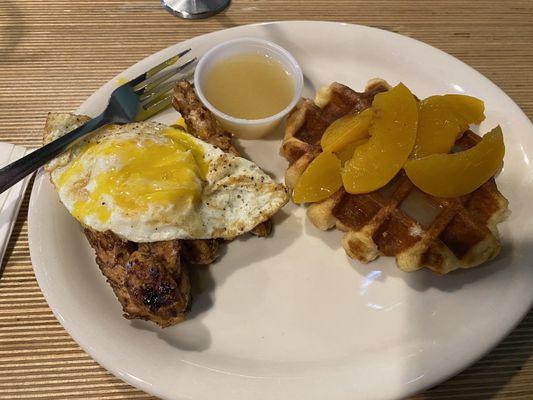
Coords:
291,316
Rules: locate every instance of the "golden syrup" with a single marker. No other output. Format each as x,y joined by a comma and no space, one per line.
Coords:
249,86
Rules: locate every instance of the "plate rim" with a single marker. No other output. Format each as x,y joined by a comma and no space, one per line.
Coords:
417,387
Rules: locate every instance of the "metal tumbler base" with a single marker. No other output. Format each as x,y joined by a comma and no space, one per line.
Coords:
195,9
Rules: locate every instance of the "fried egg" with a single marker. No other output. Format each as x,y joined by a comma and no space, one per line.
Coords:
148,182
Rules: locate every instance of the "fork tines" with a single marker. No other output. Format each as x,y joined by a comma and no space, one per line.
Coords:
154,87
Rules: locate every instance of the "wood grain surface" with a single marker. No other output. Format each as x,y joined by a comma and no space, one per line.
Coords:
55,53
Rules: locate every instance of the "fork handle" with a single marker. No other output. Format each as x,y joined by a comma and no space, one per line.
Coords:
14,172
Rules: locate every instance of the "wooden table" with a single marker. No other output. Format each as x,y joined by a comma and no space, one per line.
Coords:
55,53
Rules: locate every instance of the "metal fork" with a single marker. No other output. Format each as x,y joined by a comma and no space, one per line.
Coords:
136,100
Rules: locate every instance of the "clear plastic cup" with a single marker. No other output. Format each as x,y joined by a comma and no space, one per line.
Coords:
249,128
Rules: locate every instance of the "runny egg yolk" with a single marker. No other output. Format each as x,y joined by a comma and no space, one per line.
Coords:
144,172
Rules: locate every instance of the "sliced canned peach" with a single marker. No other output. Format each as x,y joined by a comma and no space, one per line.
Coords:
346,153
321,179
442,119
438,127
468,108
392,137
454,175
346,130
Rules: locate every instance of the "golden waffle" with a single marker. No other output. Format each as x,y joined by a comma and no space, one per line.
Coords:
398,220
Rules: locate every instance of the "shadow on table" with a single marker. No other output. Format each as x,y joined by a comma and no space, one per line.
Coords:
14,31
225,20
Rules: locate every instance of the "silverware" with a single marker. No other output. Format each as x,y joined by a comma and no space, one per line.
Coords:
136,100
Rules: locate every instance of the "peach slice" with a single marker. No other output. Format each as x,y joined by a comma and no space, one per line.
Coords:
453,175
321,179
470,109
392,137
441,119
345,130
346,153
438,127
